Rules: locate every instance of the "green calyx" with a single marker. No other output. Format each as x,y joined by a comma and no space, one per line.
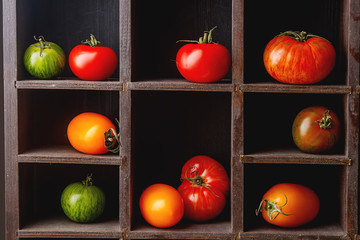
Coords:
112,140
42,44
300,36
270,208
88,181
326,121
92,42
207,38
197,181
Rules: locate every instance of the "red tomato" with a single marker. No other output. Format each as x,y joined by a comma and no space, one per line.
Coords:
299,58
92,62
289,205
86,132
205,186
203,62
161,205
316,129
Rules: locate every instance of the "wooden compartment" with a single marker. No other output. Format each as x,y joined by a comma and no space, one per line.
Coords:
261,177
155,33
66,23
165,119
268,119
41,186
321,18
45,114
194,124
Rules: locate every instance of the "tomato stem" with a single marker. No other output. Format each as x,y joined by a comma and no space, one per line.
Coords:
88,180
207,38
43,44
198,180
271,207
326,121
112,139
300,36
92,42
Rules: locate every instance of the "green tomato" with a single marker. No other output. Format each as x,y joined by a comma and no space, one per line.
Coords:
44,60
83,202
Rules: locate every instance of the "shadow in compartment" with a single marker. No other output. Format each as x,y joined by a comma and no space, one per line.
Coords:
268,119
171,127
45,114
41,186
323,18
324,180
156,32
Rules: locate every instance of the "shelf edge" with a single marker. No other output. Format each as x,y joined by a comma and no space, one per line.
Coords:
290,159
179,85
69,84
279,88
69,234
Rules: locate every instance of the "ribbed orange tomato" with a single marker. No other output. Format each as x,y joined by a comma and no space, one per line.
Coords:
86,132
299,58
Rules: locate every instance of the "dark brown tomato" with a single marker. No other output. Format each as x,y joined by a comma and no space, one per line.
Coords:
316,129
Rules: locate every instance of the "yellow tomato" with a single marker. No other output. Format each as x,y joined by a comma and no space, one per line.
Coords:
161,205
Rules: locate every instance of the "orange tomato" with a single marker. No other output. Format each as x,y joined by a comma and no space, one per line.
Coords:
299,58
289,205
86,132
161,205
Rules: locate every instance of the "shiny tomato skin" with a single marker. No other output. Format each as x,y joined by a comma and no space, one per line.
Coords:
203,62
201,204
82,201
290,61
205,186
161,205
301,204
86,132
92,63
309,136
49,64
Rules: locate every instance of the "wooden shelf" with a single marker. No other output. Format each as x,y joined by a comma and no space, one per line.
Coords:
333,231
65,155
178,84
185,230
113,85
62,227
69,84
294,156
265,87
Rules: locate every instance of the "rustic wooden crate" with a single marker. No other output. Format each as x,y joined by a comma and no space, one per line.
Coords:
165,120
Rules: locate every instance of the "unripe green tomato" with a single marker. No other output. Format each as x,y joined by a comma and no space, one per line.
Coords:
44,60
82,202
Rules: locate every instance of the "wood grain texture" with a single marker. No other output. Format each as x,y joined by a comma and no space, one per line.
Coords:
243,121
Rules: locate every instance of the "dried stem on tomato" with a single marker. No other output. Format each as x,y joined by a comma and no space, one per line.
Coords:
325,122
43,44
198,180
112,140
207,38
299,36
88,180
92,42
270,208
